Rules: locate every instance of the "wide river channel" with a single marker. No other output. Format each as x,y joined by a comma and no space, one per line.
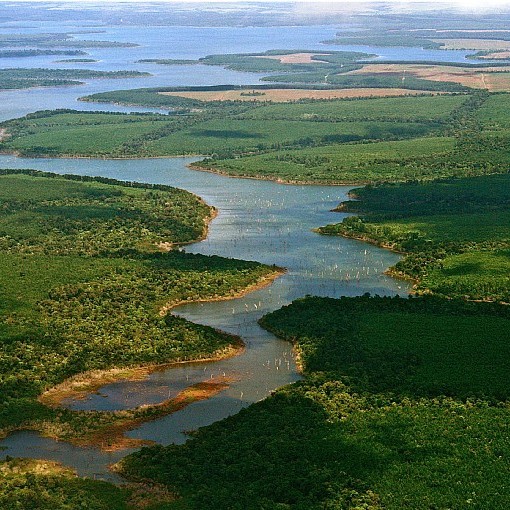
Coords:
257,220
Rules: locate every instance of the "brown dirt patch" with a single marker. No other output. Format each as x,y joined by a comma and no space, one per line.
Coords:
286,95
112,438
490,78
473,44
496,55
296,58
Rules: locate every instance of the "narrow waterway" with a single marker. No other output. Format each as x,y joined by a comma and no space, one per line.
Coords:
258,220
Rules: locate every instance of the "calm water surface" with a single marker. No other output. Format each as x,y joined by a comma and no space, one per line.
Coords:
258,220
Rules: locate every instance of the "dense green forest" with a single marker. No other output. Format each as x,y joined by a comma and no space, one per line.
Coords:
455,234
394,412
96,286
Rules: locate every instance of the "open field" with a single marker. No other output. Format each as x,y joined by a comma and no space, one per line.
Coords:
227,129
285,95
342,164
493,79
474,44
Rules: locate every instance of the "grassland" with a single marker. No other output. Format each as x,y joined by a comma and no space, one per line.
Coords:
226,129
85,287
473,138
313,141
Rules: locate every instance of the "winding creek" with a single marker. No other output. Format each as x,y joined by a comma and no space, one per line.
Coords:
258,220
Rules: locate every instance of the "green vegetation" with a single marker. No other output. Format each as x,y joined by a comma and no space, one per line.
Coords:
371,426
56,40
403,39
19,78
233,128
42,485
346,163
369,81
404,402
340,141
96,287
146,97
38,53
474,141
268,61
77,60
326,69
455,234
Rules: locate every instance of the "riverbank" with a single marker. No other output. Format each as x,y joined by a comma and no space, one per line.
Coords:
92,296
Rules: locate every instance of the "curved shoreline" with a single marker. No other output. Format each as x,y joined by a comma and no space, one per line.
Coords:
277,180
191,166
80,385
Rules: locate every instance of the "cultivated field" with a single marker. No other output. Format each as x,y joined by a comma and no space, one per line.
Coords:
286,95
490,78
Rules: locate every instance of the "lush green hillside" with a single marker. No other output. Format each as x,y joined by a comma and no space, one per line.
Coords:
227,129
85,282
455,234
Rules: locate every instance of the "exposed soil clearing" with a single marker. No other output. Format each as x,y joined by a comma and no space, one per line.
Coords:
490,78
286,95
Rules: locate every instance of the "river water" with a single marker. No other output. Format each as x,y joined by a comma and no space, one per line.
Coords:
258,220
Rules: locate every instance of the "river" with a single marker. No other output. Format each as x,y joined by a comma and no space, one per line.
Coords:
258,220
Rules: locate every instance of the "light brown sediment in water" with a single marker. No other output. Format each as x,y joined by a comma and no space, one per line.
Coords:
79,386
285,95
112,437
